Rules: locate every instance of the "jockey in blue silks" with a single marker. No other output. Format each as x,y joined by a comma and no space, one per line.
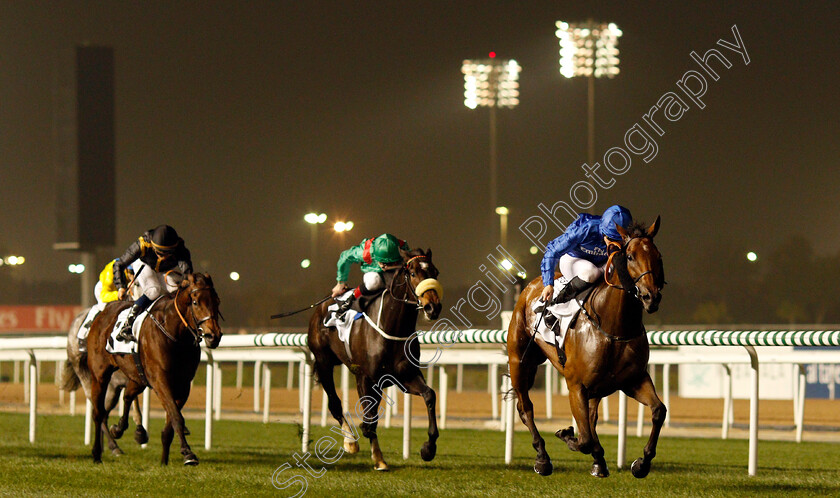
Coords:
582,252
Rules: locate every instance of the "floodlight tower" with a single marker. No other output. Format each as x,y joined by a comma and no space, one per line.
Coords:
491,83
589,49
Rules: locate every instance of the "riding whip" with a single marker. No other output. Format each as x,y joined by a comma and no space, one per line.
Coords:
290,313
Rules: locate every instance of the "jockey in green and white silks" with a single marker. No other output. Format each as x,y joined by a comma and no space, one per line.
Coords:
375,256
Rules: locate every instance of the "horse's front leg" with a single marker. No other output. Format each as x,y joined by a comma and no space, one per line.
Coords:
174,423
580,410
645,393
141,436
369,399
418,386
98,391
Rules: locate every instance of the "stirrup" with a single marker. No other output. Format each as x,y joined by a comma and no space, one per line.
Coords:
125,335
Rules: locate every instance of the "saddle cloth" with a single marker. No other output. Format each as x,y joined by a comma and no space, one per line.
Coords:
344,323
564,313
84,328
119,347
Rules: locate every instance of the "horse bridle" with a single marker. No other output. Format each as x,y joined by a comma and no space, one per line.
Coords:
622,249
407,284
197,332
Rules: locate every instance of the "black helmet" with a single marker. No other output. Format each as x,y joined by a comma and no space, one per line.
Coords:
164,238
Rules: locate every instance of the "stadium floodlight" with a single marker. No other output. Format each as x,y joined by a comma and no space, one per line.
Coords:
491,83
589,49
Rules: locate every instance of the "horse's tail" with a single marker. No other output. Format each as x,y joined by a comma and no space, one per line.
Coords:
70,380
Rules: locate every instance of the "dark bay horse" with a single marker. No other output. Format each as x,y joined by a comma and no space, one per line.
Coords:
169,352
606,350
76,374
378,361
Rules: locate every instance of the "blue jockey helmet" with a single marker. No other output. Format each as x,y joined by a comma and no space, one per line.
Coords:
615,215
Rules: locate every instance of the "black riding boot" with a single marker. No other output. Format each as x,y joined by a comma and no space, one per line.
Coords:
572,289
125,334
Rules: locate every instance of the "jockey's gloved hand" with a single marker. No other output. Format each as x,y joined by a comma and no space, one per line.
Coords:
547,293
339,289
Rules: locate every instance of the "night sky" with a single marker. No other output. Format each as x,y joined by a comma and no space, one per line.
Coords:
234,119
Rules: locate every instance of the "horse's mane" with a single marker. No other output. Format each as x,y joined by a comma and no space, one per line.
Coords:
637,229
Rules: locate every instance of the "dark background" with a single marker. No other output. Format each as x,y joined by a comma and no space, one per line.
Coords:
234,119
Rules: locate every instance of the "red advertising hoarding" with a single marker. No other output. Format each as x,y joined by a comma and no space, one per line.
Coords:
20,319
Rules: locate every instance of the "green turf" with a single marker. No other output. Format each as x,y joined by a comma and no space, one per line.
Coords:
468,463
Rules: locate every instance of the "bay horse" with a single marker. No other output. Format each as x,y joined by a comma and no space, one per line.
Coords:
169,352
76,374
378,358
606,350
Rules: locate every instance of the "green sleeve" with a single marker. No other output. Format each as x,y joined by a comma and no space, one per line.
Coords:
347,258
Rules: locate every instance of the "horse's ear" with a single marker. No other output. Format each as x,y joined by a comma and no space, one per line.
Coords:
621,231
651,231
429,254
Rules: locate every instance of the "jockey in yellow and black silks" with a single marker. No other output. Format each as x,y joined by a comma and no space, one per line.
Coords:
160,250
106,290
375,256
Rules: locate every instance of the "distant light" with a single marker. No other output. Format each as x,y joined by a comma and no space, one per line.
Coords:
21,260
311,218
522,275
305,263
752,257
12,260
234,276
348,226
501,210
534,250
76,268
322,218
492,55
339,226
506,264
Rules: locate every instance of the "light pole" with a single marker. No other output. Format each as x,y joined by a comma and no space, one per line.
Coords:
314,219
491,83
502,211
589,49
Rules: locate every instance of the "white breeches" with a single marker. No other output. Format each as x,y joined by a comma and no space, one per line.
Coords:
571,267
152,283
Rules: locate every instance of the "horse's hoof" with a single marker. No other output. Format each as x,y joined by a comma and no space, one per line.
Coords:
140,435
599,470
639,468
543,468
187,431
97,461
117,452
381,467
191,460
565,434
428,451
115,431
351,447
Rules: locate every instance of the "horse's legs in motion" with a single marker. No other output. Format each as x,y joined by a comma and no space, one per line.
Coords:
418,386
112,396
98,391
325,377
131,391
140,434
370,418
579,402
599,466
645,393
522,379
174,423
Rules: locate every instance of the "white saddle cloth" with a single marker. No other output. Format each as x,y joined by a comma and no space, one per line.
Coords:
84,328
563,311
119,347
343,324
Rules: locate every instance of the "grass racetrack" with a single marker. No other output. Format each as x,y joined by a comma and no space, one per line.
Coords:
468,463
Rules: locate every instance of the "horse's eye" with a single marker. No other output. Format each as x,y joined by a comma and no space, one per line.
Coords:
195,303
413,274
629,258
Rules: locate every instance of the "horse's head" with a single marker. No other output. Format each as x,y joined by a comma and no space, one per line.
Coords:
644,263
202,307
422,274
